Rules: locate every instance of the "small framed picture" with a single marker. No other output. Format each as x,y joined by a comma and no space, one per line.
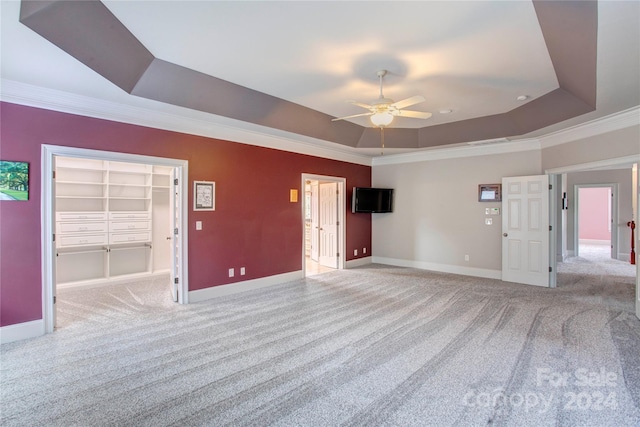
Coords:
204,196
14,180
490,192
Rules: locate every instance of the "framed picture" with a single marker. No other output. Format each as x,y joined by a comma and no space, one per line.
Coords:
14,180
204,196
490,192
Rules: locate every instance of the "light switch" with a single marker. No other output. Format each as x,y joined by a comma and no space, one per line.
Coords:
293,195
198,225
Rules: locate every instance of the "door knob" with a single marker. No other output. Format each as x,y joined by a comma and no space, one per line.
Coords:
505,234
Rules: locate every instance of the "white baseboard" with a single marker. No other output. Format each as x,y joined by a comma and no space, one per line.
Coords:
359,262
571,254
247,285
443,268
624,257
21,331
595,242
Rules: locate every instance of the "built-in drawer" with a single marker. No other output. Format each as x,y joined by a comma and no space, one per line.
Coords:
82,227
74,216
130,215
129,225
129,237
81,240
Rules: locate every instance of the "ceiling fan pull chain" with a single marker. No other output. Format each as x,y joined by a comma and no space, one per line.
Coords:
382,139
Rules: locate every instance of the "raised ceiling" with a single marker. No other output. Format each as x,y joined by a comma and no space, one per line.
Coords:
290,66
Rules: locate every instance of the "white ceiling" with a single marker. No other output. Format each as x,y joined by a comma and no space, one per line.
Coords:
471,57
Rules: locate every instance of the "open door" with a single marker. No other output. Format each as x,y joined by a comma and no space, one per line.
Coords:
525,230
328,222
635,186
176,208
315,224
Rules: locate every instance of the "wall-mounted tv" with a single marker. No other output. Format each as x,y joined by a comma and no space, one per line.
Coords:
372,200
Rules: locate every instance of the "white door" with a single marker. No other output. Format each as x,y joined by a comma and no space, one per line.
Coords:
525,230
176,235
328,218
315,225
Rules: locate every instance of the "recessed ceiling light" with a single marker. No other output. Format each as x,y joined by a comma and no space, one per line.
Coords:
522,97
446,111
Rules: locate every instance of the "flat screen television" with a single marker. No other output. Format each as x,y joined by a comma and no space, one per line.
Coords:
372,200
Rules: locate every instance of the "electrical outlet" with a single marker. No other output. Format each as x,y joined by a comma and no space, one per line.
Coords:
466,258
488,221
242,271
355,252
364,250
231,272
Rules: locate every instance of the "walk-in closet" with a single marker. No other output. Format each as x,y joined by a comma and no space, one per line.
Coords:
112,221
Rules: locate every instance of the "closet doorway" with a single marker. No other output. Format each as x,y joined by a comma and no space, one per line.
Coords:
323,223
111,218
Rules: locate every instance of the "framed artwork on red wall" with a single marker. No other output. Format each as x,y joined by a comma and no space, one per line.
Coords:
204,196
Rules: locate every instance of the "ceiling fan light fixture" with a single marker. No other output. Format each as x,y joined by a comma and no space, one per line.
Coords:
381,119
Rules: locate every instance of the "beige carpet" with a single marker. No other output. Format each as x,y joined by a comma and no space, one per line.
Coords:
373,346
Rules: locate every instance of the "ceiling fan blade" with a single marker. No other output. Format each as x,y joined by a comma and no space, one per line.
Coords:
350,117
408,102
360,104
413,114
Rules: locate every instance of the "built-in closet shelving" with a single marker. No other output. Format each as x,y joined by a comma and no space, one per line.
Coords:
112,219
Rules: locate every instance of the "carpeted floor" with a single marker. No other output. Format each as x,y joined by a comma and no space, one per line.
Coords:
372,346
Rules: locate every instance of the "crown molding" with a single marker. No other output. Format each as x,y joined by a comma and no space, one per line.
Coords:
479,148
176,119
621,120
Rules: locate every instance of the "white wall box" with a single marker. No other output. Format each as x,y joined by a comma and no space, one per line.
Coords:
112,219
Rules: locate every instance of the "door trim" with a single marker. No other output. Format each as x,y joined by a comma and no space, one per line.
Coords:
342,185
47,216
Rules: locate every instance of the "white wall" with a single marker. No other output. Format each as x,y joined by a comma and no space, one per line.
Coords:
437,218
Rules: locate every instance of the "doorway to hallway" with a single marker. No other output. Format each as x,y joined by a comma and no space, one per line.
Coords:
323,223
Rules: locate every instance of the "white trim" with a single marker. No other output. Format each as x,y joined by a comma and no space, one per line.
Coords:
359,262
177,119
443,268
626,257
180,119
48,218
600,164
21,331
248,285
342,206
595,242
500,146
613,122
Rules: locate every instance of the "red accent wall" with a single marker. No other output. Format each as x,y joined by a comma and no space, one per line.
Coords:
254,224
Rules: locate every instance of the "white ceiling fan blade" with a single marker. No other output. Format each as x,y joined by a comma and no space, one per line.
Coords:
408,102
413,114
360,104
350,117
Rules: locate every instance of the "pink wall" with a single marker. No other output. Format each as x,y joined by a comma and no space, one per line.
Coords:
254,224
593,215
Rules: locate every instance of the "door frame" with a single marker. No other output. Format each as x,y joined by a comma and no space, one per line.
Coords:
47,215
580,167
342,203
614,216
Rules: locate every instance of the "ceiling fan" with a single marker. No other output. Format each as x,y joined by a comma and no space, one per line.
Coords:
383,110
